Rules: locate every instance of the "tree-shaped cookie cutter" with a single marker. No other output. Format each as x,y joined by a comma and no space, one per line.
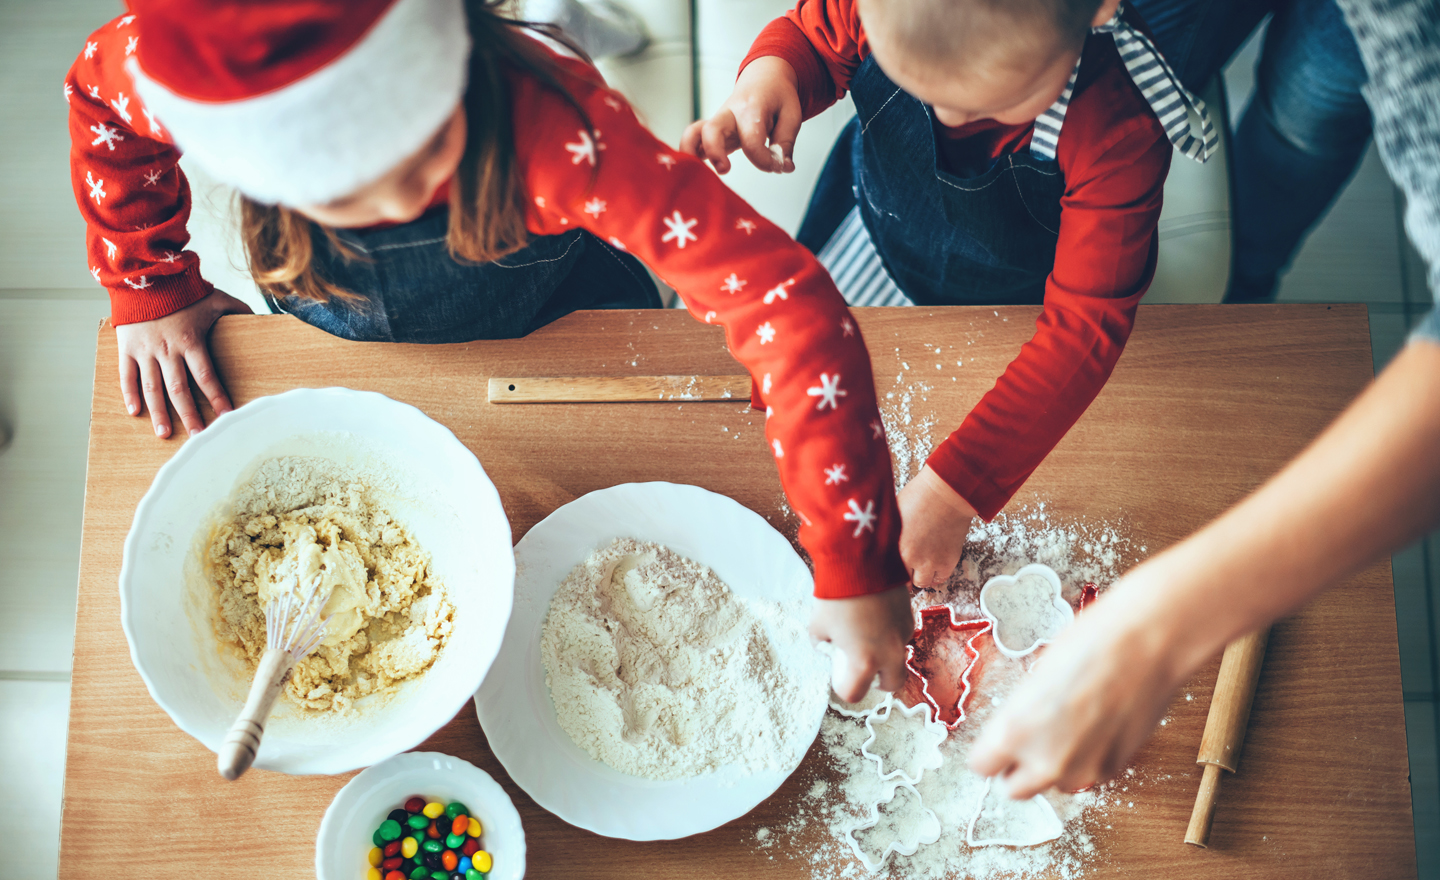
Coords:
884,715
1049,828
978,627
928,834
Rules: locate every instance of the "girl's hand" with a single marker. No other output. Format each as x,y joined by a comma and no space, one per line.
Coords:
761,117
157,358
935,522
870,633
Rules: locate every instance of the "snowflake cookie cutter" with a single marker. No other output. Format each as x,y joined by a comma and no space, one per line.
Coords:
979,627
1027,607
1036,816
874,701
930,758
926,831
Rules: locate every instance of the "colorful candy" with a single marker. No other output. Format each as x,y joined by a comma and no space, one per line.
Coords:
375,856
408,847
428,840
373,874
472,827
433,810
482,861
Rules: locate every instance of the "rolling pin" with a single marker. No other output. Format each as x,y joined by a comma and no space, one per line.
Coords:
1225,726
620,389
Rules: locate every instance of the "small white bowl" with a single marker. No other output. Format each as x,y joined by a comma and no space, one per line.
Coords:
443,498
365,801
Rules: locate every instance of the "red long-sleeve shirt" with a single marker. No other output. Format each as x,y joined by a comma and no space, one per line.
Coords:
1114,155
783,318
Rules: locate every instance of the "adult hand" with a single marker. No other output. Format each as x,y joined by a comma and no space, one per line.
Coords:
761,117
935,521
158,358
870,633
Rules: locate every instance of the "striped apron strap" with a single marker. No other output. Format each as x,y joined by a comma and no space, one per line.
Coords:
1184,117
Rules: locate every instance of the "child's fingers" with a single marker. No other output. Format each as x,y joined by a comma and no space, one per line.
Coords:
892,675
152,386
177,385
853,680
717,138
787,129
754,127
201,367
690,140
130,383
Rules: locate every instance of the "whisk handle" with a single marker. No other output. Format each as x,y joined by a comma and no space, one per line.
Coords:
238,750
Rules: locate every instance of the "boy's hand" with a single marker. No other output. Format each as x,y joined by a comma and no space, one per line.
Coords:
935,521
765,106
870,633
157,358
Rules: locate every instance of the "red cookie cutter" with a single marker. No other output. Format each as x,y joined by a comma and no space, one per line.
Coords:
929,619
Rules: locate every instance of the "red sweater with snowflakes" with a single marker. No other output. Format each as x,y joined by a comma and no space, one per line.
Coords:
1115,156
783,318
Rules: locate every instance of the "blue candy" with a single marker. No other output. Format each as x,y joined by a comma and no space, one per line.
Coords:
465,864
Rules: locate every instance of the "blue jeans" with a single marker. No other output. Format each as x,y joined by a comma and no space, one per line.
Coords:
1303,133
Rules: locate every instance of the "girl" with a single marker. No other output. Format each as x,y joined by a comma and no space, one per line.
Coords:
426,171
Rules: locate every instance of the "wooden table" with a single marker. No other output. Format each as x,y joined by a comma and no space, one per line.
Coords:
1206,402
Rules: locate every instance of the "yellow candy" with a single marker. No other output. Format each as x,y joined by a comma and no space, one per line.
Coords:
474,828
482,861
375,856
372,874
433,810
408,846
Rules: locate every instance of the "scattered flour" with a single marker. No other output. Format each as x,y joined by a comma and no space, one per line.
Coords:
656,668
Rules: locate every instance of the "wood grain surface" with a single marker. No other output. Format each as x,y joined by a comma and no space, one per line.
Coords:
1205,404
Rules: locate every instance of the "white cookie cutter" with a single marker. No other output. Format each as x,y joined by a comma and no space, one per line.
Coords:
930,758
1050,825
871,703
928,833
1063,615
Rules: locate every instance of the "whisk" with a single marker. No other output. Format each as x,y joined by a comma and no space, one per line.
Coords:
292,629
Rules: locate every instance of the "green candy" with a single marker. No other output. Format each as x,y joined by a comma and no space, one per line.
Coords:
389,830
418,822
439,875
455,809
455,841
432,846
378,840
473,874
419,872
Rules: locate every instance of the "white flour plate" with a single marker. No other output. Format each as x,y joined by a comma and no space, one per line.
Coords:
514,704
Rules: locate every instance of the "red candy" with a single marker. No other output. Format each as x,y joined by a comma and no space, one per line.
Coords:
415,804
433,832
392,849
461,823
394,875
471,847
391,864
449,859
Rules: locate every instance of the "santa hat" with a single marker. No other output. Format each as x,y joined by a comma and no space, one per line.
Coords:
300,103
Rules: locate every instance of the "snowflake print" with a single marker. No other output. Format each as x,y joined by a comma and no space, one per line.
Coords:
769,411
863,519
106,135
877,430
765,332
732,284
109,248
848,326
170,257
95,92
765,384
614,103
152,177
617,243
679,230
122,107
155,127
69,90
584,151
665,159
95,272
97,191
778,291
836,475
90,50
829,391
143,283
131,45
779,451
747,225
539,201
124,21
709,316
595,207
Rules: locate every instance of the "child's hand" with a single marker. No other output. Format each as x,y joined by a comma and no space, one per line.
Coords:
158,358
870,633
935,521
765,105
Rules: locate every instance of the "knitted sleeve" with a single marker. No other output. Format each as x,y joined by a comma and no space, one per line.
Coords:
131,192
783,318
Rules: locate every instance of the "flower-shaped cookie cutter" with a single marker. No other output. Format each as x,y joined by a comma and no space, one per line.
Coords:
1038,823
930,758
1034,590
930,616
927,830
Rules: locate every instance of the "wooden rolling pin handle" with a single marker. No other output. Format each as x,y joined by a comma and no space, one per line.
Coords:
1198,834
242,743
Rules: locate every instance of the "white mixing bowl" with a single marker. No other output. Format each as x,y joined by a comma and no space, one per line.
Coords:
446,502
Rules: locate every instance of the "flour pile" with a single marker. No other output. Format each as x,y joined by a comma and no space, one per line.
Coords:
656,668
300,518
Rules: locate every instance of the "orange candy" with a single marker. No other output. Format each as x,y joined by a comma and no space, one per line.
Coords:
449,859
433,832
461,823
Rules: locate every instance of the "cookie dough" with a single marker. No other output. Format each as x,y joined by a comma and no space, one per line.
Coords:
299,517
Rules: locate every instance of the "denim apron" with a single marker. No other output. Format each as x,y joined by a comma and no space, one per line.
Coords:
413,291
945,239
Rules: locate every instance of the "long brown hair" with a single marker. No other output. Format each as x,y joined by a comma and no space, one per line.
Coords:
487,197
